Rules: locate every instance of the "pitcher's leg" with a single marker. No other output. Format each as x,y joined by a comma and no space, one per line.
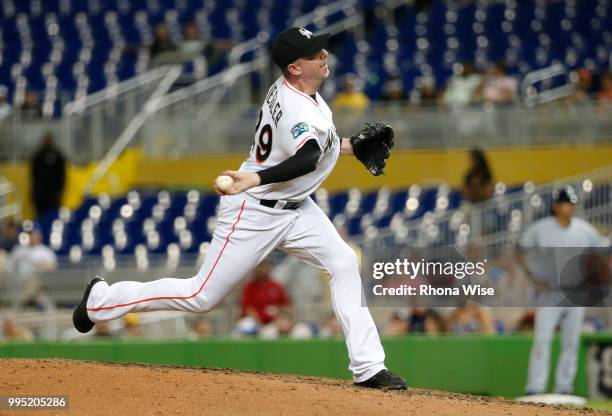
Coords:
237,246
110,302
365,350
571,327
314,239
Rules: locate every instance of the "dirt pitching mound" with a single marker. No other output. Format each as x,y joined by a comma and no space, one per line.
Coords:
121,389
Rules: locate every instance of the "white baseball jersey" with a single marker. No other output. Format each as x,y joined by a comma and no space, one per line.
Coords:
287,120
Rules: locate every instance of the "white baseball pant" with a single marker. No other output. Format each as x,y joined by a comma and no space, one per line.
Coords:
246,233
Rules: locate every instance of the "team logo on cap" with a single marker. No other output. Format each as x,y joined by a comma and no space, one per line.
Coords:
305,32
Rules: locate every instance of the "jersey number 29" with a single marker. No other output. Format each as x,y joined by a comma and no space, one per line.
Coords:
263,146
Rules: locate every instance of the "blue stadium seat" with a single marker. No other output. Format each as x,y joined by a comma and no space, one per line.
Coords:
546,33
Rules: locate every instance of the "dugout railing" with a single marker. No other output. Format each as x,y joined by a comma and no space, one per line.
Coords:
501,219
91,124
229,129
492,230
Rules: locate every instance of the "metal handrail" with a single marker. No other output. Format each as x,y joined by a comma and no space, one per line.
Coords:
478,209
323,11
548,95
130,131
228,78
8,209
224,81
92,124
243,48
205,84
113,91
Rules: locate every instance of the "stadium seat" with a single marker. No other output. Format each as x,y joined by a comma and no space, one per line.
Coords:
527,35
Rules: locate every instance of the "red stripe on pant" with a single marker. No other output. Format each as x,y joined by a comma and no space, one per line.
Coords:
180,297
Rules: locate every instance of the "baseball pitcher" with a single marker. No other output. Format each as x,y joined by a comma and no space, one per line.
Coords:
267,206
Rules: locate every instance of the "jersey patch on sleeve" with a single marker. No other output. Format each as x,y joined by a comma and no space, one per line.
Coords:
299,129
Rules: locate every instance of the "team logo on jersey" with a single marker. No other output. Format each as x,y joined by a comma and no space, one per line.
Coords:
305,32
299,129
332,136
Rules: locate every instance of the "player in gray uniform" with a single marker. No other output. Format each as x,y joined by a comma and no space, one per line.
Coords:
560,230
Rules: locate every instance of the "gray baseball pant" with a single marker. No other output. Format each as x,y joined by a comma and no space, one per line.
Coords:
546,320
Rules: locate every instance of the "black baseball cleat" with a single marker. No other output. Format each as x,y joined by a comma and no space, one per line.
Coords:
80,319
384,380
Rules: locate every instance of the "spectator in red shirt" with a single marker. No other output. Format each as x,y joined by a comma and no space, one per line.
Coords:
262,297
605,94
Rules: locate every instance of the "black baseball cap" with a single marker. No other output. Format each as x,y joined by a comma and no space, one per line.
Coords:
295,43
565,194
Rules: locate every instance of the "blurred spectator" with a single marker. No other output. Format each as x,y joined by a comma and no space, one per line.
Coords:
26,262
331,328
462,87
303,330
435,323
605,93
161,41
284,326
30,108
103,330
246,326
471,319
5,107
593,325
48,173
217,51
583,86
201,328
9,236
192,43
416,321
12,331
526,323
189,53
421,5
131,326
350,98
262,297
395,326
393,89
499,87
478,181
425,92
4,260
425,320
33,256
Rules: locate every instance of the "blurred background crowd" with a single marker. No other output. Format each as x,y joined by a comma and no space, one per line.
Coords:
115,116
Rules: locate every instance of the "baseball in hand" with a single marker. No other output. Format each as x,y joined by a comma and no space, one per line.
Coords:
224,182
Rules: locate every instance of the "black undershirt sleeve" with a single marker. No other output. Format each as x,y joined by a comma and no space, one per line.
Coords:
302,162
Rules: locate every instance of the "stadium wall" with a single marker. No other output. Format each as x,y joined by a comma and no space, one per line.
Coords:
493,366
404,168
512,166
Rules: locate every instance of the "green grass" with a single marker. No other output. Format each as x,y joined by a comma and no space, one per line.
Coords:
600,405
